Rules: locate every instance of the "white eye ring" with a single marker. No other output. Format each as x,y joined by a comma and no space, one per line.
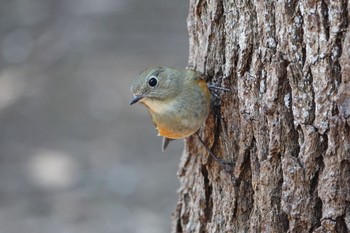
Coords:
152,81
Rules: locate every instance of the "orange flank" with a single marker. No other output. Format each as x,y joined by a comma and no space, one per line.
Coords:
169,133
204,86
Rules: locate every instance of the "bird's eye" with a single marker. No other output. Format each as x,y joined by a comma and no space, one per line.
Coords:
153,81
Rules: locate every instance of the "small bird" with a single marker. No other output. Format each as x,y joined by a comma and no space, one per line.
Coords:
178,100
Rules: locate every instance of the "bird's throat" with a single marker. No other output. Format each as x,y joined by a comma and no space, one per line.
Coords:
158,106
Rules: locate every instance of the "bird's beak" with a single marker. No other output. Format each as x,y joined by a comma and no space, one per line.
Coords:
136,99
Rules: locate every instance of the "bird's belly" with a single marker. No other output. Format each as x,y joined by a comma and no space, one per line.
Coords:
177,127
178,124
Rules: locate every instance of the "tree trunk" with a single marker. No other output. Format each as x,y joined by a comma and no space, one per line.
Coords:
285,126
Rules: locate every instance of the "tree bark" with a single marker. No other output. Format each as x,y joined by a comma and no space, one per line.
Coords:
285,125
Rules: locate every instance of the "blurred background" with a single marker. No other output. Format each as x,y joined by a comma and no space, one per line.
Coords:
74,156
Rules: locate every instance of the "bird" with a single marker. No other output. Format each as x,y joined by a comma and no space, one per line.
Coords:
178,100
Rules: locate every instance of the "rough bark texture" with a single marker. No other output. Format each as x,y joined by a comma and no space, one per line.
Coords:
285,126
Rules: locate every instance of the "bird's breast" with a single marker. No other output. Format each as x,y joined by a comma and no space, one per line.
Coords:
183,115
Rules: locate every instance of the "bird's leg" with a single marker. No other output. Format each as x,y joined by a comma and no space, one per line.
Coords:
226,165
214,93
218,88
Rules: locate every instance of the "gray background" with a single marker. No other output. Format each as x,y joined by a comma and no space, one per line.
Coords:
74,156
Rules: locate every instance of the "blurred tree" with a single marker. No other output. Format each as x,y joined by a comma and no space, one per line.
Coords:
285,126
